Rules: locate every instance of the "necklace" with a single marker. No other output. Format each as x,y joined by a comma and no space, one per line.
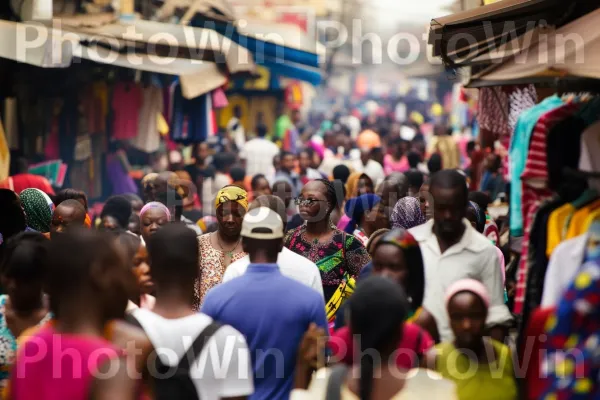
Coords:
227,252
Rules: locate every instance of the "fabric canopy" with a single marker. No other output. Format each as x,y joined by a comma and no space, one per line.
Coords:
571,51
462,37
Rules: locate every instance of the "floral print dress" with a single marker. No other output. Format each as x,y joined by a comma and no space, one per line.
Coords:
342,254
8,343
212,268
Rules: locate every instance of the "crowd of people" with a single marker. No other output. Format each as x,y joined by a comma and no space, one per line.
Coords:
348,269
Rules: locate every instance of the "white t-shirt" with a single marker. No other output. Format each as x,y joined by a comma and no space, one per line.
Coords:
290,264
259,154
223,368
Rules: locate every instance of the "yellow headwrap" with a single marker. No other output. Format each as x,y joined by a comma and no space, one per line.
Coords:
232,193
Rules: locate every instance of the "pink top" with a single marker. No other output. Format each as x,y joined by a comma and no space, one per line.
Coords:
343,222
390,165
126,105
415,342
65,370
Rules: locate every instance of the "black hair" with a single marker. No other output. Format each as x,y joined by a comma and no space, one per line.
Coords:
173,252
341,172
435,163
12,217
24,257
237,173
74,194
255,179
76,205
331,194
482,199
284,153
133,198
68,272
223,160
415,178
374,297
414,260
496,164
450,179
119,208
131,243
272,202
479,216
261,130
471,145
414,159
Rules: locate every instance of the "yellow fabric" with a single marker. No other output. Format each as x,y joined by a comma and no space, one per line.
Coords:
590,220
232,193
161,124
556,223
578,221
4,155
494,381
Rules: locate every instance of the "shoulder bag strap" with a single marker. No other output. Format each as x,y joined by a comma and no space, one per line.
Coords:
194,350
130,319
335,382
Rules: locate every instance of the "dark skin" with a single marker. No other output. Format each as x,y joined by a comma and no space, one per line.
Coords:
152,221
449,209
304,162
365,185
65,217
26,305
467,314
262,187
109,223
287,163
389,261
227,237
141,269
316,215
375,219
135,224
424,200
315,161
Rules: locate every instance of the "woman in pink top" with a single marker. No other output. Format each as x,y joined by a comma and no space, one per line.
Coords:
396,161
70,358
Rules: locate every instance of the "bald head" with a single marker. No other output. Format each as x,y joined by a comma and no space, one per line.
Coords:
67,214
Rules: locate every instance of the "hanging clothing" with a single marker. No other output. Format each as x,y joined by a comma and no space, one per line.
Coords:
148,137
590,148
556,223
192,120
126,104
518,155
4,154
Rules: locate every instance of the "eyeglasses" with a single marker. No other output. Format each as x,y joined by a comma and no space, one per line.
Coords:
299,201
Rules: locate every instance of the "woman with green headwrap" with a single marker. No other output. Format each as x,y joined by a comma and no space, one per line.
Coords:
38,209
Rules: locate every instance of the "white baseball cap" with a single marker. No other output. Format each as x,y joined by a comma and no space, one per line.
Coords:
262,223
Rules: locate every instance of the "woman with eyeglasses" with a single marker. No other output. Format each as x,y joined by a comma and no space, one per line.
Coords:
339,255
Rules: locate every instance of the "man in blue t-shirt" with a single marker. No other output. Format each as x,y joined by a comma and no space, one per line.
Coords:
272,311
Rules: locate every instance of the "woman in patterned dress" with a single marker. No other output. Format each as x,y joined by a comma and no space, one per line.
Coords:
221,248
25,305
339,256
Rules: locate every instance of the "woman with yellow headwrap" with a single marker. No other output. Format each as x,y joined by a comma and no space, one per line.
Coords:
221,248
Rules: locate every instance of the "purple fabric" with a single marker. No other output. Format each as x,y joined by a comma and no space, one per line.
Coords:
119,178
407,213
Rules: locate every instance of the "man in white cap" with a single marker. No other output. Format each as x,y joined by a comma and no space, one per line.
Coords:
272,311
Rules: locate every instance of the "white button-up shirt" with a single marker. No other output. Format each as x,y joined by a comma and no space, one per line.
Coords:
474,257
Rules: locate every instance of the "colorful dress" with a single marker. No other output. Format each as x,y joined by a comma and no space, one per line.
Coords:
343,255
212,268
8,343
572,362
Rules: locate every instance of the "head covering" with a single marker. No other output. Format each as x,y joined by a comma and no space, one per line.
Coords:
407,213
357,207
38,209
262,223
155,204
232,193
352,184
471,286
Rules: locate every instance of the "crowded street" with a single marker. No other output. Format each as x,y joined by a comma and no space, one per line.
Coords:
286,200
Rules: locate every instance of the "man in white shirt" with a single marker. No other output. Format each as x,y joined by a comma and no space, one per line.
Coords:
235,129
290,264
257,155
222,369
453,250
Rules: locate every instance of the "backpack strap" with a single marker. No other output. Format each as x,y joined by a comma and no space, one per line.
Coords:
130,319
196,347
335,382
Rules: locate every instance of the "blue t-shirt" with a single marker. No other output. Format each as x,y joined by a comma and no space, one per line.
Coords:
273,312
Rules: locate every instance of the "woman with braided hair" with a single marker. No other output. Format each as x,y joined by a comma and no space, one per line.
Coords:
339,256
